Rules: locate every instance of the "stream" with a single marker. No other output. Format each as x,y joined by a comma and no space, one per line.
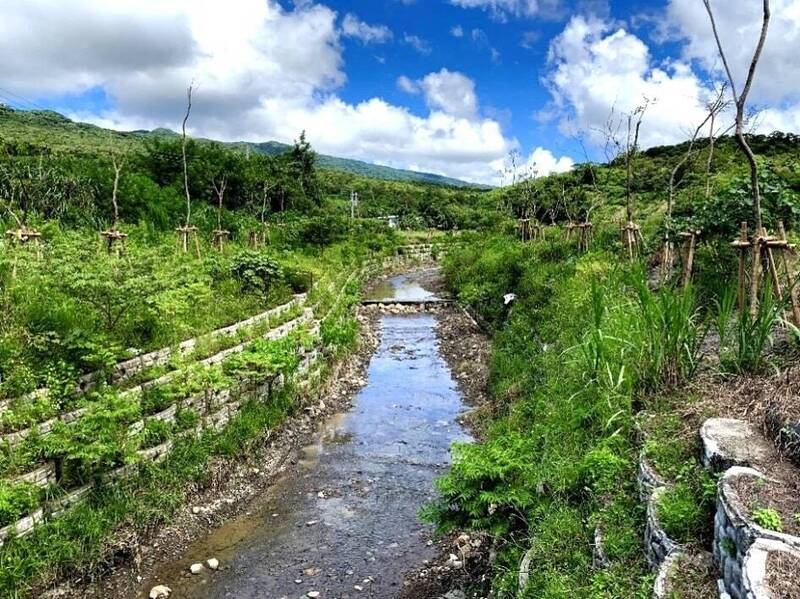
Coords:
344,522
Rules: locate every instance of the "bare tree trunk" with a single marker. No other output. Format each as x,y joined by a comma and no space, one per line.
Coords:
741,102
183,152
117,170
630,155
220,191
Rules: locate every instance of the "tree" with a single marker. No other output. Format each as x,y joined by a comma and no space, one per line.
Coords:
740,99
183,155
302,159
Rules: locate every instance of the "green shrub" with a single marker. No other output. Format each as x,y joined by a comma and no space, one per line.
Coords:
768,518
17,500
255,272
156,432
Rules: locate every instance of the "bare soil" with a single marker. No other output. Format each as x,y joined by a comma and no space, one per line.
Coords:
781,495
782,576
694,577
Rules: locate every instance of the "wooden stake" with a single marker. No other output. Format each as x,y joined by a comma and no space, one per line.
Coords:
755,271
688,262
742,245
790,278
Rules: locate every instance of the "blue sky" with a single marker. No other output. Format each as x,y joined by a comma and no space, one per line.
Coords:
448,86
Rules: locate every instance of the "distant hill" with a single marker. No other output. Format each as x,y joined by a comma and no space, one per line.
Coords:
47,125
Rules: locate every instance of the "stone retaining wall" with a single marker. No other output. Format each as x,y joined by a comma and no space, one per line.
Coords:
658,545
754,567
735,533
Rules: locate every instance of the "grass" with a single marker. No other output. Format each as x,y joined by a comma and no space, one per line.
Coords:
586,350
559,461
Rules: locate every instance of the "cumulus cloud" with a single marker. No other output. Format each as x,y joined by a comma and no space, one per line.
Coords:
596,68
420,45
354,27
457,31
543,162
252,79
739,24
451,92
407,85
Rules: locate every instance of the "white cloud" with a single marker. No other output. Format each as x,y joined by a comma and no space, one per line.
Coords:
407,85
253,80
596,68
530,39
420,45
502,9
739,24
451,92
352,26
457,31
543,162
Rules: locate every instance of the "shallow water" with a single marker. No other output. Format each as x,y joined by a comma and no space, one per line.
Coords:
406,287
347,515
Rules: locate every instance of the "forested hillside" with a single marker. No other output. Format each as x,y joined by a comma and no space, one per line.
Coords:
57,129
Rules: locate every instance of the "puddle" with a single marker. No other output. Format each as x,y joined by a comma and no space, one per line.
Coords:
347,515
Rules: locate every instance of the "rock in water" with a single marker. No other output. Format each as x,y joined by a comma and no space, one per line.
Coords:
160,592
213,563
196,568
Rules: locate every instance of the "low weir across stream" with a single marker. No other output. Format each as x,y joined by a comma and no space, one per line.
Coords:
344,521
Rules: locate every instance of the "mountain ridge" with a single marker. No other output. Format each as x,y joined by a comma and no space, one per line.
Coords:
50,118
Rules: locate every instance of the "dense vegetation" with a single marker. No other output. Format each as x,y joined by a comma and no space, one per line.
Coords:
585,352
586,348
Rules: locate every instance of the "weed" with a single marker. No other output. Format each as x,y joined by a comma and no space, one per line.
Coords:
768,518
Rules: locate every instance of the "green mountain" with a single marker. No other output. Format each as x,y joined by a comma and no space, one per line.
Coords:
44,125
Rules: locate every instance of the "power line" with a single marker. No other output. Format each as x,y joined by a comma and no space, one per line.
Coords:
23,98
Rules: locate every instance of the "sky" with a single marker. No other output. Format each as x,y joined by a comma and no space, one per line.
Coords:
443,86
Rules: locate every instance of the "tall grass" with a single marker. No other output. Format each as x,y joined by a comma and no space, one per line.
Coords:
668,334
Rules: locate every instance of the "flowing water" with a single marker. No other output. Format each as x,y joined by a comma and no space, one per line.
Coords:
347,515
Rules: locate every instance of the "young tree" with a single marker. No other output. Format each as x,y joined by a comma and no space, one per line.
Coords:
183,156
740,100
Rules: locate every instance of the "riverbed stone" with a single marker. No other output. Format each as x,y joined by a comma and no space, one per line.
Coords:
160,592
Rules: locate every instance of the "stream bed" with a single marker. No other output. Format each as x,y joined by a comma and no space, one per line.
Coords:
344,521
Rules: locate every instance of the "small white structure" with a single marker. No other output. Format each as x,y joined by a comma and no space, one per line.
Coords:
393,221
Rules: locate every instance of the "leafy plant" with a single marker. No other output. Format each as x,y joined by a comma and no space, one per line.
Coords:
768,518
255,272
17,500
753,334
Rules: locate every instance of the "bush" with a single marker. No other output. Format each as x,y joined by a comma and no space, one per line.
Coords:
256,272
17,500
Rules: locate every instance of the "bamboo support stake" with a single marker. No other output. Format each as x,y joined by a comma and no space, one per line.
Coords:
742,244
690,243
770,259
791,280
